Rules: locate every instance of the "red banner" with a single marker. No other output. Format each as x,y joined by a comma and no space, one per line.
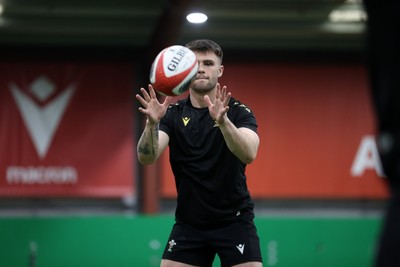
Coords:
316,127
66,130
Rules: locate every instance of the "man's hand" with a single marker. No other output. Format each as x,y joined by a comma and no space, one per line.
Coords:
152,108
219,108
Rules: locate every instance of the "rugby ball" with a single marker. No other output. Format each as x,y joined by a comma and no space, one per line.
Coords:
173,70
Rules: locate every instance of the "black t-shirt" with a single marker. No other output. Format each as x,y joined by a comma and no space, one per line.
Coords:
210,179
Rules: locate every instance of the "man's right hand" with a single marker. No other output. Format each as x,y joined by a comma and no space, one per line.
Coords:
152,108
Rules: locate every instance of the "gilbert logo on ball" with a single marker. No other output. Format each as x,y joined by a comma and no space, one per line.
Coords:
173,70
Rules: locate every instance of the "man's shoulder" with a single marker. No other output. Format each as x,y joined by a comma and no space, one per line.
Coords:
237,105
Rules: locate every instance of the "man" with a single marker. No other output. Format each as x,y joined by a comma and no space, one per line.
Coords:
384,72
211,137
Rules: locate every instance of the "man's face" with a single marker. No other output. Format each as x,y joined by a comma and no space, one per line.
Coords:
210,69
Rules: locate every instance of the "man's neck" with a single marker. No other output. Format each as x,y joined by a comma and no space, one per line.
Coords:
197,99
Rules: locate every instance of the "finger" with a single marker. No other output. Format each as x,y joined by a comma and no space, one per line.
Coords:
167,100
223,93
145,94
141,100
208,101
152,92
224,90
218,94
227,99
142,110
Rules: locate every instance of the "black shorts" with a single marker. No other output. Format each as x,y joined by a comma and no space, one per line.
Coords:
235,243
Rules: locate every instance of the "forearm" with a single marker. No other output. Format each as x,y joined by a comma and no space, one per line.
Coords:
147,147
241,144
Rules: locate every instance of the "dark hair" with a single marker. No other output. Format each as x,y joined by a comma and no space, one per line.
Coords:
203,45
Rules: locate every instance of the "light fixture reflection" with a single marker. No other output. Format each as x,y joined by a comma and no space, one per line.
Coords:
197,17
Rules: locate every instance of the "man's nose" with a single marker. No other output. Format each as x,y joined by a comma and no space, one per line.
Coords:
200,70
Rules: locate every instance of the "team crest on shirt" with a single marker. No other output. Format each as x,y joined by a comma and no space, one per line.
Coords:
185,120
171,245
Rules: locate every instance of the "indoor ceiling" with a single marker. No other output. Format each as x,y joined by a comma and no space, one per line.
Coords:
323,25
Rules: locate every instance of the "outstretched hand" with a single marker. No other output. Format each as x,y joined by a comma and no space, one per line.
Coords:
152,108
218,110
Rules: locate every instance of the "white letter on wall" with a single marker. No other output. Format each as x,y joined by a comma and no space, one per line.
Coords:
367,157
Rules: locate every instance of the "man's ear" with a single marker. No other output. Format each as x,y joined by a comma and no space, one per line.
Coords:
220,70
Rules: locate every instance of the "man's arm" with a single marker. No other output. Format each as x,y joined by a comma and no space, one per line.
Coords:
151,144
243,142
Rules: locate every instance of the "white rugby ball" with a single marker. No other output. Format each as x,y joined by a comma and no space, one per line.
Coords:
173,70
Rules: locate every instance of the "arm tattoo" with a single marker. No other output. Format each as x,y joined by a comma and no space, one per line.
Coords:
148,143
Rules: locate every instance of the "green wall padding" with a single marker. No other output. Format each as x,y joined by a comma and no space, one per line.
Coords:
119,241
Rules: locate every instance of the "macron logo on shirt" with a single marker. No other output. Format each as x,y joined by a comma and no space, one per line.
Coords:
240,247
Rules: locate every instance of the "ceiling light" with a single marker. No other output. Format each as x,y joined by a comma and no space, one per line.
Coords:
197,17
356,15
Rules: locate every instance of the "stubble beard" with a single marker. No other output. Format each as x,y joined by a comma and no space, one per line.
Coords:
202,88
